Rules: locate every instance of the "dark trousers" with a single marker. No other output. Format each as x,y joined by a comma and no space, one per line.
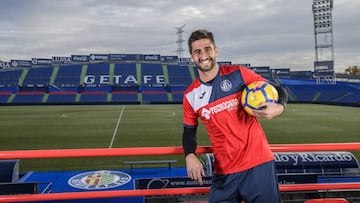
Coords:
256,185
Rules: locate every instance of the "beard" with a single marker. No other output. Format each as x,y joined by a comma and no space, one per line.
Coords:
207,67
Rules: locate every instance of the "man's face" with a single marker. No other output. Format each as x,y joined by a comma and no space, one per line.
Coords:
203,54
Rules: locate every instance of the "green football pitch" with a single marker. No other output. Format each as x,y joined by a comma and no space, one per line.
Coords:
118,126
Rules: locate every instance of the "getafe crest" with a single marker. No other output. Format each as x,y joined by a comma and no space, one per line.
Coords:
226,85
95,180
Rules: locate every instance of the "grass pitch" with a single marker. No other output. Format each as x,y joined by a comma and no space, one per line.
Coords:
104,126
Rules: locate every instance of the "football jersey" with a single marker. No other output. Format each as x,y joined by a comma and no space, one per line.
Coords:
238,140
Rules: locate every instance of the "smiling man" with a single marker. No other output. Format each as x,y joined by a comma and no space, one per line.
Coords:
244,167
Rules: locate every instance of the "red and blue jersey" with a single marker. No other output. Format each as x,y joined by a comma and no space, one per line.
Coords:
238,140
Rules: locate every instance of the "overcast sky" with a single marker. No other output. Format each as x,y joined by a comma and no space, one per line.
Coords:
275,33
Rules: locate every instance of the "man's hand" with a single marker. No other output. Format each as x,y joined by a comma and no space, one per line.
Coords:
194,168
269,110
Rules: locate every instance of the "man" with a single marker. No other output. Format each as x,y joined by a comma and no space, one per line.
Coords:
244,168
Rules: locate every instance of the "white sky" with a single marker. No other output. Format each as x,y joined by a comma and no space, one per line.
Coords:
275,33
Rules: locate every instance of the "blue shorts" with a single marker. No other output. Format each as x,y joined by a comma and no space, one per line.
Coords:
256,185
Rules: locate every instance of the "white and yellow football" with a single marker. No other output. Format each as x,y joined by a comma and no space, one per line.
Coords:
257,93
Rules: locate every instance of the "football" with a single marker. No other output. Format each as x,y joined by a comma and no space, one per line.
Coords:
257,93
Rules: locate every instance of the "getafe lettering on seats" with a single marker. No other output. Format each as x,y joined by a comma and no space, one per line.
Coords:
124,79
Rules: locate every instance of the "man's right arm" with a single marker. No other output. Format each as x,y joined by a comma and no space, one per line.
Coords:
189,140
194,168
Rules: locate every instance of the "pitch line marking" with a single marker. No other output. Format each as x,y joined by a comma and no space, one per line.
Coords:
117,127
173,114
66,115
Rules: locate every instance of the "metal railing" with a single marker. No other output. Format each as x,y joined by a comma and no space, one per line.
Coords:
107,152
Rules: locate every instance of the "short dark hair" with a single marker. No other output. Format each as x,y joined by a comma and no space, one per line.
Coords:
200,34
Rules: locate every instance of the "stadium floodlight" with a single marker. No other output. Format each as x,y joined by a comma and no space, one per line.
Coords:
322,15
180,40
324,49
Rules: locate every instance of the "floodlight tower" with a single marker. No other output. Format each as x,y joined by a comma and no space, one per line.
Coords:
180,40
324,48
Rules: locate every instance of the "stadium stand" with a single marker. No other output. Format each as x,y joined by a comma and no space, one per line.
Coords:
153,94
96,97
68,75
179,75
6,92
38,76
177,93
122,70
4,97
152,74
100,74
125,97
10,78
60,97
142,83
349,98
28,98
153,83
124,83
341,93
97,88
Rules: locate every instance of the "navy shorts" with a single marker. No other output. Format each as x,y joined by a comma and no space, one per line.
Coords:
256,185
